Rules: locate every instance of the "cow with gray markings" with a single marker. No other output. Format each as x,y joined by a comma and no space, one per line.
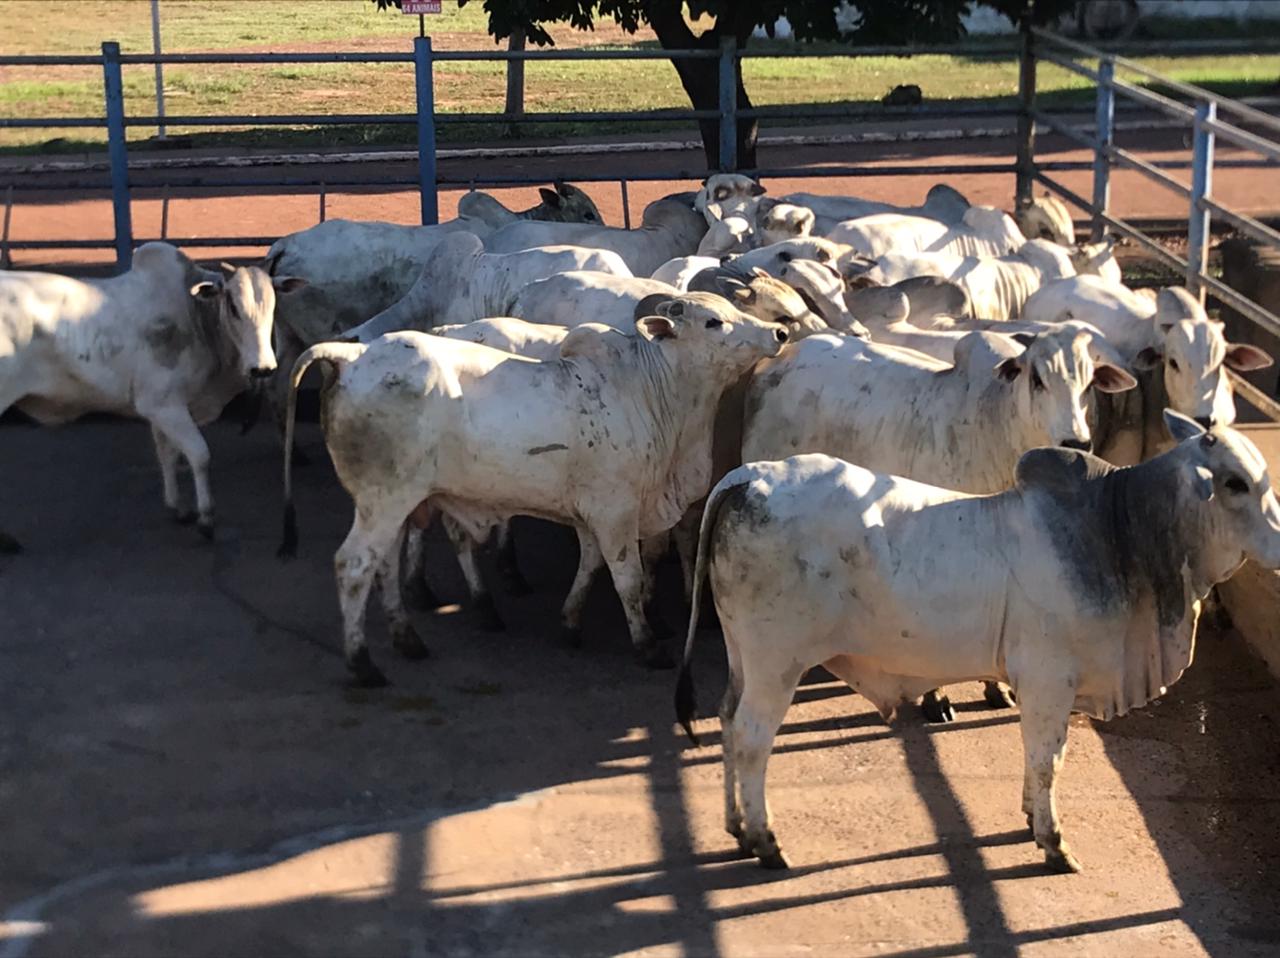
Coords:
1080,586
167,342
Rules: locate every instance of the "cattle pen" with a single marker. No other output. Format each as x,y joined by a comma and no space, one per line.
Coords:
181,773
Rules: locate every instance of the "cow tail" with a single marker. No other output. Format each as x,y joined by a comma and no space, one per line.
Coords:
335,354
686,696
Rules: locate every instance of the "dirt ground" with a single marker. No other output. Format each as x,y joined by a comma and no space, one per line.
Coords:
183,772
256,211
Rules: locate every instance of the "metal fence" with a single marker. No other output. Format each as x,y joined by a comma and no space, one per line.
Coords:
1201,113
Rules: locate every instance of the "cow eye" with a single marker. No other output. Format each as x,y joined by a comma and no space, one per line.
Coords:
1173,364
1036,382
714,323
1236,484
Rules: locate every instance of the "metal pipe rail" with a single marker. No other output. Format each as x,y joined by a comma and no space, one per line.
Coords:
1201,114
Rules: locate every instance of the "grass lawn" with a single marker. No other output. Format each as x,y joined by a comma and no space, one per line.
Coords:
31,26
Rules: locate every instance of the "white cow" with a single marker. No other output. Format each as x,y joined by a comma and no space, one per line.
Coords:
572,299
354,270
761,222
1187,355
983,231
166,341
461,283
563,204
901,412
725,194
531,340
1080,587
668,229
614,439
577,297
997,286
929,298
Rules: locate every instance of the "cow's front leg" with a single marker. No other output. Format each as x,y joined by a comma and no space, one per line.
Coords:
1045,713
168,456
508,566
175,425
403,637
997,696
652,552
936,706
362,554
621,549
589,562
464,546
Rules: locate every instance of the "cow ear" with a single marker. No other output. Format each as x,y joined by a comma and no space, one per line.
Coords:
1112,379
563,188
550,197
861,282
1244,358
1008,370
288,284
206,290
656,327
759,271
1148,358
1181,427
758,190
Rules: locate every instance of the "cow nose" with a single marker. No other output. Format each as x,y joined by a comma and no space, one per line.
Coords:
261,372
1207,422
780,335
1082,445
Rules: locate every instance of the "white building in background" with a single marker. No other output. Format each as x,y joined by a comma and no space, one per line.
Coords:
983,20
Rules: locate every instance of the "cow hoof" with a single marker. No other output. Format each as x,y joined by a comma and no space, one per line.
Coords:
1062,862
204,526
419,596
571,636
182,517
9,546
487,612
408,644
774,861
937,708
998,697
364,674
655,656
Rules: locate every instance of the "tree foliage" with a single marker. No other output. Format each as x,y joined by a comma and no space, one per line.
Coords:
865,22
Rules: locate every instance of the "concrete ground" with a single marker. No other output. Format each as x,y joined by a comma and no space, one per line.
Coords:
183,772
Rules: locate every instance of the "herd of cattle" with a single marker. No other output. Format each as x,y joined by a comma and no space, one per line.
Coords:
887,411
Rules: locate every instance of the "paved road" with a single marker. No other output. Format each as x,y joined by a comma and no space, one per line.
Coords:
183,772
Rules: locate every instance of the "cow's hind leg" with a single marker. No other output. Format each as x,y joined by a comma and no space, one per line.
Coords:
464,545
414,586
175,425
756,719
403,637
728,710
589,562
652,551
621,549
355,565
1046,708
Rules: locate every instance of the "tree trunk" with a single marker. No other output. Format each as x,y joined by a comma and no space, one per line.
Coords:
515,81
701,80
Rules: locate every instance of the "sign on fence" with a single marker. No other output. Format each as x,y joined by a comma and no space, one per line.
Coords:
420,6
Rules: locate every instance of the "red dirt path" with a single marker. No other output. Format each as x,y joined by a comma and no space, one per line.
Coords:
256,211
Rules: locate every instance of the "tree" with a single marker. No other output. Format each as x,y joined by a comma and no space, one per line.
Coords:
871,21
